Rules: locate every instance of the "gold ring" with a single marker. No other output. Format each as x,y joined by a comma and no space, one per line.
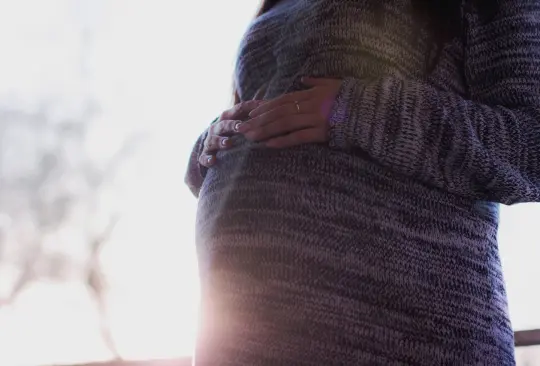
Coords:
297,106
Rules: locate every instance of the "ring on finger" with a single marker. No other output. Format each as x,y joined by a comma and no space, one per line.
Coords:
297,104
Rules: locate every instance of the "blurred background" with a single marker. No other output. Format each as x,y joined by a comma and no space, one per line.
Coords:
100,104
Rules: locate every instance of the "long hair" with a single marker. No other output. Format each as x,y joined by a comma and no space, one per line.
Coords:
442,18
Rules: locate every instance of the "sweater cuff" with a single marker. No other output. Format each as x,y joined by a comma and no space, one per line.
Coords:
347,127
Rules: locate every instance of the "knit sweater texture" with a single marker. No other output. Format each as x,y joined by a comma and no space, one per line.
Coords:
379,247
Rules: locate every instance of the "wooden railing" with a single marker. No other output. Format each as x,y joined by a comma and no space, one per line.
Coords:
525,338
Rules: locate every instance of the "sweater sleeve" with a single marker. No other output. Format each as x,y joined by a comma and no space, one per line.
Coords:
485,146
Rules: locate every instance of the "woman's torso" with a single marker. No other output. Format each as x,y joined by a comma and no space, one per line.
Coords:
314,256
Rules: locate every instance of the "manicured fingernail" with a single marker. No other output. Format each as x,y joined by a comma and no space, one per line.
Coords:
237,126
243,127
225,142
210,160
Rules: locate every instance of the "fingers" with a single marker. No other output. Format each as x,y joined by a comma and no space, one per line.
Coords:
214,143
218,139
207,160
211,146
282,126
309,135
241,110
225,128
281,100
289,109
228,125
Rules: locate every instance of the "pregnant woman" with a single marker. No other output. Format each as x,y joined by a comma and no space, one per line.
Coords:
348,214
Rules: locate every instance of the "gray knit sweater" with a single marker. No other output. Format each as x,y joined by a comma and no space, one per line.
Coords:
380,247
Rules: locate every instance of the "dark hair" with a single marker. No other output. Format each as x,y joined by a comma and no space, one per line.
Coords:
442,18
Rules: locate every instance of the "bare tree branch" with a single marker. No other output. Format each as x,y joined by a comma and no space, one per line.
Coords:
97,286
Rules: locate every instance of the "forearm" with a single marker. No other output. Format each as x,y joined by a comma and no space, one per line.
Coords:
468,148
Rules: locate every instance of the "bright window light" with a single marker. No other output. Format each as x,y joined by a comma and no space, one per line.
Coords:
81,81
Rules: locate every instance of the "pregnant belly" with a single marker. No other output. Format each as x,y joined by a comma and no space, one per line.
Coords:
308,188
290,193
282,207
310,241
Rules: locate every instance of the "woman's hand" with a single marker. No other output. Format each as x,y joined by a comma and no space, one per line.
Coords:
295,118
219,133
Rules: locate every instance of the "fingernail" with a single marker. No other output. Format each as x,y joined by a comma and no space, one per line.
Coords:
225,142
242,127
210,160
237,126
